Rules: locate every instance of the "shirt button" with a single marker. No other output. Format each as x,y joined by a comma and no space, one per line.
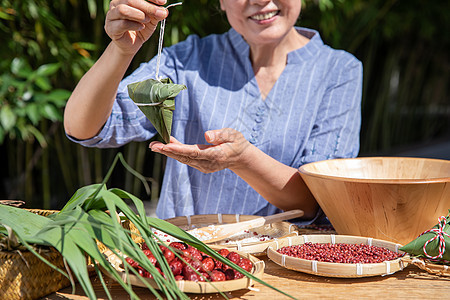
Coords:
252,140
254,134
258,120
257,127
259,113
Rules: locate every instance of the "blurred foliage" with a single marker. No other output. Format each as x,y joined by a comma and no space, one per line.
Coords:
404,49
47,46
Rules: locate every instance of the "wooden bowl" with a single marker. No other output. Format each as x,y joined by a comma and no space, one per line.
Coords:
390,198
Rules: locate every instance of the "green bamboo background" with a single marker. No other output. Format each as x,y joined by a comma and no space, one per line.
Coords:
46,46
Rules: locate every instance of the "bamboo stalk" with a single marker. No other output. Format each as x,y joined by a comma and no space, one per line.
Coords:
45,171
63,154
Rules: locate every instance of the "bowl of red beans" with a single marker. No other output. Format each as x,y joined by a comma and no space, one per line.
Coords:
388,198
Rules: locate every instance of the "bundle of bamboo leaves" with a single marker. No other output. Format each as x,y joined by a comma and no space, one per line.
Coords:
91,217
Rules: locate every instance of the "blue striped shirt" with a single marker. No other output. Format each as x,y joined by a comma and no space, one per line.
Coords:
312,113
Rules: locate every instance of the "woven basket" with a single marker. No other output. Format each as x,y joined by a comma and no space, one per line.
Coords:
24,276
279,230
328,269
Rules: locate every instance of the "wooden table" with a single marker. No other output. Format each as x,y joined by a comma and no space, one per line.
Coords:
411,283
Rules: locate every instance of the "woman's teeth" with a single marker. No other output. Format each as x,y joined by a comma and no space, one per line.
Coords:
262,17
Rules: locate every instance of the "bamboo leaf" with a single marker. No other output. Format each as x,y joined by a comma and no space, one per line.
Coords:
156,100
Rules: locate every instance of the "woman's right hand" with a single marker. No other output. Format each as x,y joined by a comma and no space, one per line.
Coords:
130,23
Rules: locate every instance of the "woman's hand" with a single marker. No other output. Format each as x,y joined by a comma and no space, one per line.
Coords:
226,150
130,23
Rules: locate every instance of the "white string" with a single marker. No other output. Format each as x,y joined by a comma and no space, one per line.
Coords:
237,218
161,39
333,239
290,240
239,245
305,238
188,218
253,289
149,104
278,245
314,266
283,260
181,285
369,241
219,218
388,267
359,269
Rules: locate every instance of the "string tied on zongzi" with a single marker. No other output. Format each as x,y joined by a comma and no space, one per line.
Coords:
440,235
433,244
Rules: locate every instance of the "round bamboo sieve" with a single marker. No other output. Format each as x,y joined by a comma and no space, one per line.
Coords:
192,286
335,269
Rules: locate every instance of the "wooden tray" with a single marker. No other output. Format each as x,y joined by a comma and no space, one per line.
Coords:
335,269
279,230
192,286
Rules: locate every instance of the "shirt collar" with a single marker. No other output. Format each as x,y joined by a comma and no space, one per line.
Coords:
297,56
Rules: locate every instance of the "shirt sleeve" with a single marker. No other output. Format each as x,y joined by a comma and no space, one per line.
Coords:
336,129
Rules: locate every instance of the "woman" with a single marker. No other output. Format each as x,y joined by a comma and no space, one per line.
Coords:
262,99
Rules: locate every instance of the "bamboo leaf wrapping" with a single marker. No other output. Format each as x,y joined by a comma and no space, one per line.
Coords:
161,95
416,247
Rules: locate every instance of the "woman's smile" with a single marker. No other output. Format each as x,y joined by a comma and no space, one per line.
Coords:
265,17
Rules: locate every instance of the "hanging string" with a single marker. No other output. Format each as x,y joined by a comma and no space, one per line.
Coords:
161,39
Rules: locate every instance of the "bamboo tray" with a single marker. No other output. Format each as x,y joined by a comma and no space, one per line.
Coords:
432,268
328,269
279,230
192,286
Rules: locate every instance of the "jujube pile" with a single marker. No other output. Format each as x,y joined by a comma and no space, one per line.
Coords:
340,253
209,268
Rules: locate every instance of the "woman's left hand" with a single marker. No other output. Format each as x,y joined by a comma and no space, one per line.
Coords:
226,150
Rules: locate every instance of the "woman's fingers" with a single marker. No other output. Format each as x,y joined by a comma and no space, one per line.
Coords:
127,16
136,10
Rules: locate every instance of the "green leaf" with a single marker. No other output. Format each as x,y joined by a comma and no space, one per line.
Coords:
48,69
21,68
32,112
156,100
7,118
43,83
37,134
51,112
59,97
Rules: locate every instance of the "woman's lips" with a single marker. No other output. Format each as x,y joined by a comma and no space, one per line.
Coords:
264,16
